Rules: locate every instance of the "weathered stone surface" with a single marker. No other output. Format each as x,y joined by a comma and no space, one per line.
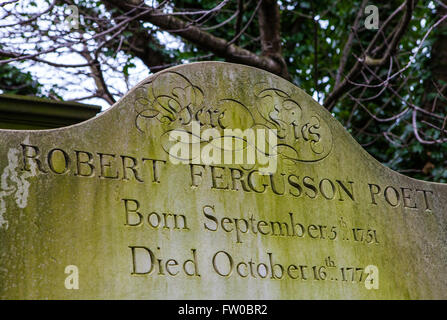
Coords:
104,197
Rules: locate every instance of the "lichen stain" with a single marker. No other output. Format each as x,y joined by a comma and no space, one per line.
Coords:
15,182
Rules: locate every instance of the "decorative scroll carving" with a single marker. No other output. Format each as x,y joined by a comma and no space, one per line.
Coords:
172,101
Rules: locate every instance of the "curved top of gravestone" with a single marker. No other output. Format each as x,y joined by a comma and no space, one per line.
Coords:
141,202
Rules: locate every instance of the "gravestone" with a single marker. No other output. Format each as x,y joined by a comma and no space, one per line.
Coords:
149,201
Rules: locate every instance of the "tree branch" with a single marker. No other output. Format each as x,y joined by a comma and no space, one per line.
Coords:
95,67
199,37
348,46
240,15
338,91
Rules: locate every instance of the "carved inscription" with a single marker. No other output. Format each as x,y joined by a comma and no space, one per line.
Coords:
301,137
240,228
134,168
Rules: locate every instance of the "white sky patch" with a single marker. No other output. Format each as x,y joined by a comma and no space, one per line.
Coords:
323,23
73,83
169,41
318,97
